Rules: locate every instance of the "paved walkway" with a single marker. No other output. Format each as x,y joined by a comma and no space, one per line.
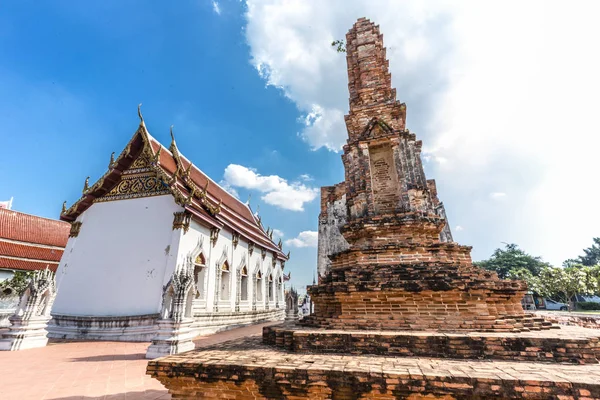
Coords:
90,370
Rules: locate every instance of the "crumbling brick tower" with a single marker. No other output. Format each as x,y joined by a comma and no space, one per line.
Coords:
400,313
401,270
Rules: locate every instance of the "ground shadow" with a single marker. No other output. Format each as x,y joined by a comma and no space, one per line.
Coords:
140,395
112,357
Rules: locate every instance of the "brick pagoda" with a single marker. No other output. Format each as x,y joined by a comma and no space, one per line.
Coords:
398,288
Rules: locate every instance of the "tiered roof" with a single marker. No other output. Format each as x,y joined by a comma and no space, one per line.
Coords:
28,242
207,202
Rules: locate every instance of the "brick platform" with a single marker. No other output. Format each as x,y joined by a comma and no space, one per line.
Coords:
395,284
568,345
247,369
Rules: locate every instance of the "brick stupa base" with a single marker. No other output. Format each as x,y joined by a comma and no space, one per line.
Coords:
250,370
400,312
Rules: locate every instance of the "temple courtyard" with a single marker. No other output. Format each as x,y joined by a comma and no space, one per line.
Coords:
72,370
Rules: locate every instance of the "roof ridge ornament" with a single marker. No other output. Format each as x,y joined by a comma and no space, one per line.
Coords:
111,164
64,207
86,185
140,115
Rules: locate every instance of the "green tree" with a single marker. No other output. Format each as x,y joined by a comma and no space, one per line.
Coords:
564,283
591,255
523,274
512,258
18,283
341,46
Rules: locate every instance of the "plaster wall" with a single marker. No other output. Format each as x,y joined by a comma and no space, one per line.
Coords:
118,263
197,240
331,240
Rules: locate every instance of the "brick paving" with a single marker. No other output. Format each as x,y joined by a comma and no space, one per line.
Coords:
70,370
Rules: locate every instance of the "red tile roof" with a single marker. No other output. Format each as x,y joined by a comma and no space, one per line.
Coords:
30,251
28,228
28,242
25,265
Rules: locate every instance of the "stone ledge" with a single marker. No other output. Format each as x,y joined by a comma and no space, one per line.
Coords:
569,345
134,328
245,369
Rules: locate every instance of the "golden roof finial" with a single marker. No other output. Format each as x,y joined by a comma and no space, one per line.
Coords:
172,136
111,164
86,185
140,114
288,255
280,244
64,207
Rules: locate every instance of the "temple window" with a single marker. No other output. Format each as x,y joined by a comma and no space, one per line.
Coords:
200,276
279,285
270,290
244,284
225,281
258,288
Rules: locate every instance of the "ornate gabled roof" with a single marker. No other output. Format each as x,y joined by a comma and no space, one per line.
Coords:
29,242
191,188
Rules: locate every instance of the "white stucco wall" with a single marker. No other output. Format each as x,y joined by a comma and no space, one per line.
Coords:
117,265
237,258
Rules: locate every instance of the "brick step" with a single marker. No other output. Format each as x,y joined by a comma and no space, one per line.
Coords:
516,345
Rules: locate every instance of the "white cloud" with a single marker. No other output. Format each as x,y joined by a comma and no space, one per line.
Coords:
306,177
497,195
277,234
216,7
304,239
500,99
459,228
277,191
231,190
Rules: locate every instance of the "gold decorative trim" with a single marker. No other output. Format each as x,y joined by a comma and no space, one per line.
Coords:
235,239
181,220
214,235
134,186
75,228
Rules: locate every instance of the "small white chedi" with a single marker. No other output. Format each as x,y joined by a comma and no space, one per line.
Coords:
28,324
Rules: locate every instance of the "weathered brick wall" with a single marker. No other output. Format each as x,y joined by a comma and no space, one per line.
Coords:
584,321
332,216
446,234
287,383
369,81
553,346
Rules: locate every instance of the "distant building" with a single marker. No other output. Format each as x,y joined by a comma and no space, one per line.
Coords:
29,243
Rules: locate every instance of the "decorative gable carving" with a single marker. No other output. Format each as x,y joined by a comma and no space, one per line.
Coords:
139,180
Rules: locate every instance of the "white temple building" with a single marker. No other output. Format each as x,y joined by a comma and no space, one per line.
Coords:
151,214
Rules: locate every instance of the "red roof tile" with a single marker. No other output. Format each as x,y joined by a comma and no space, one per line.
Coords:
22,227
26,265
31,252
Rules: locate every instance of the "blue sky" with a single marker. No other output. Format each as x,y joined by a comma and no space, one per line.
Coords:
72,75
257,96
